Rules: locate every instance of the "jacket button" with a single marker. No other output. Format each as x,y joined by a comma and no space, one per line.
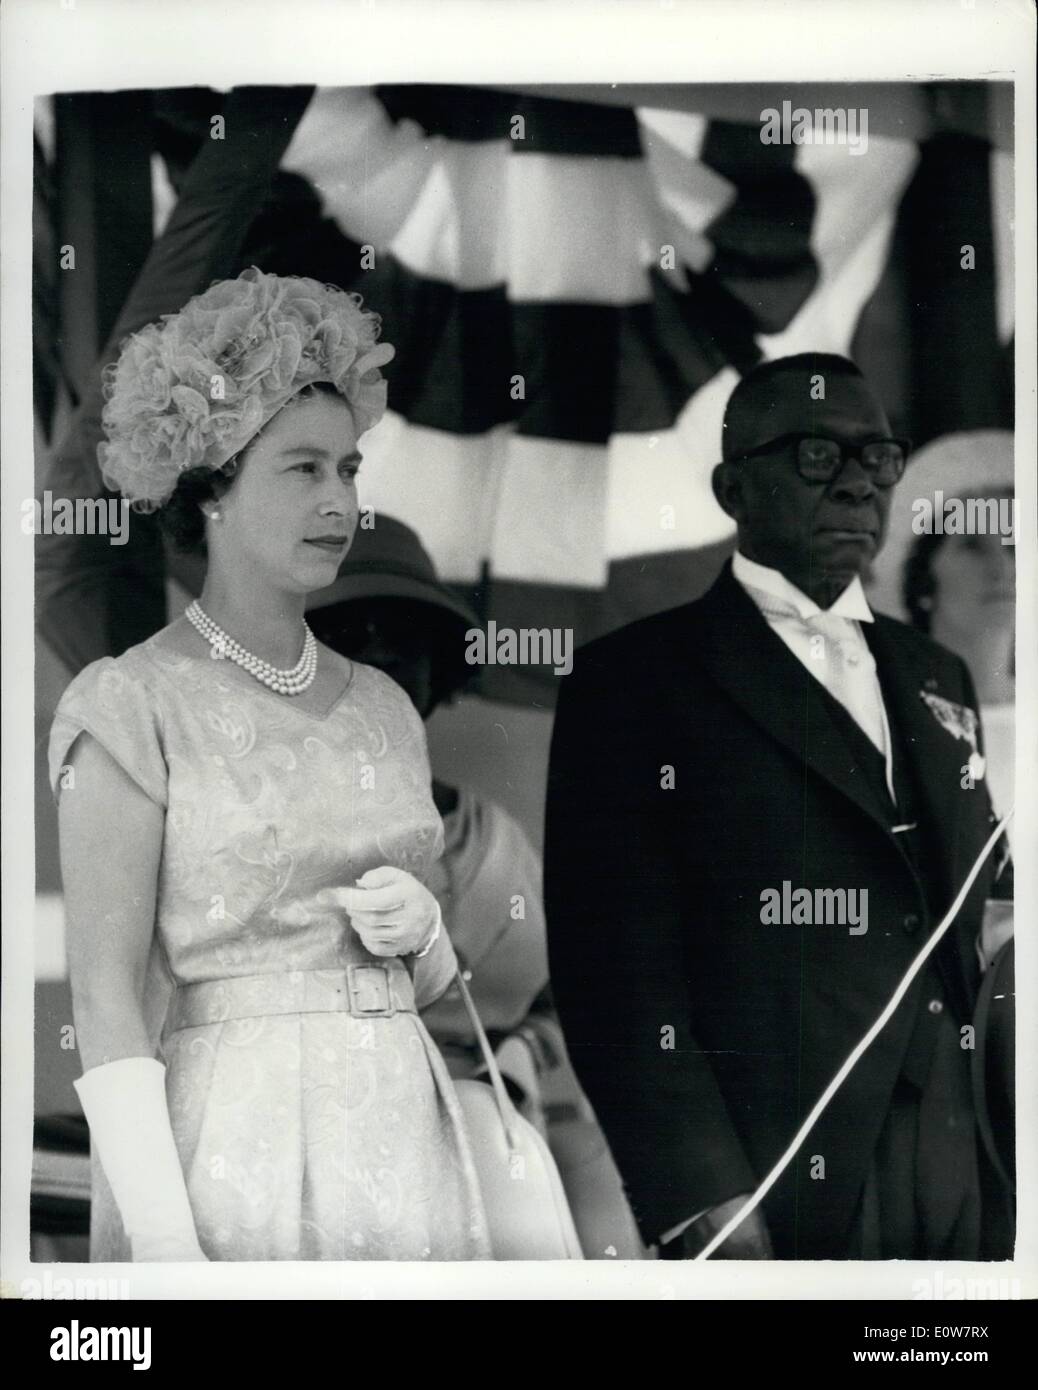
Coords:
911,922
935,1006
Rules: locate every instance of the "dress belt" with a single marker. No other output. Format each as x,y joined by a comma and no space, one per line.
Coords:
371,989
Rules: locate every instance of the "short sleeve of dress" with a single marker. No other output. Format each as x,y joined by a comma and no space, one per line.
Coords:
111,701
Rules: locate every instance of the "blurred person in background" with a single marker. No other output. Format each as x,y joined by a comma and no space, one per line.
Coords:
956,583
960,588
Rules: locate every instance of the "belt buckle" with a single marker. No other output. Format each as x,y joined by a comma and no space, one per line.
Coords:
369,990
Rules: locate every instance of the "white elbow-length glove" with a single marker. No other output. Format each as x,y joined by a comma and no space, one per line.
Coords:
125,1106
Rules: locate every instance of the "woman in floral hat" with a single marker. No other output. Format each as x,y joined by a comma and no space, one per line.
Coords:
246,824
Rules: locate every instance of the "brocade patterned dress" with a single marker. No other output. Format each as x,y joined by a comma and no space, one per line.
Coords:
313,1115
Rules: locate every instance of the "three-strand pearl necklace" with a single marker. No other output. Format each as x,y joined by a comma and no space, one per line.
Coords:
283,682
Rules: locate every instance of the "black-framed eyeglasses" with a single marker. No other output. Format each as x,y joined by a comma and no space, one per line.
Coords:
819,459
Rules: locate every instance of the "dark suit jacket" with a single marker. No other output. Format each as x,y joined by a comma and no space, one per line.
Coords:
701,1035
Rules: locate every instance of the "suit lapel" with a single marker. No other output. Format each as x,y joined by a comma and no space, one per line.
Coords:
787,702
777,691
933,756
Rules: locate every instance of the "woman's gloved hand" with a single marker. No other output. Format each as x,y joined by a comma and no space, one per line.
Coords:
125,1105
391,912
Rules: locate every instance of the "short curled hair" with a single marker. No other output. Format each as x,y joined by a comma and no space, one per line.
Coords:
756,394
182,518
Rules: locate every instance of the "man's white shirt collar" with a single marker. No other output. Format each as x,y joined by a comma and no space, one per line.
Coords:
852,603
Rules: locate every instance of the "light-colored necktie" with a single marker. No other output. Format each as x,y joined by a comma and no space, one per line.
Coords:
850,675
841,663
844,665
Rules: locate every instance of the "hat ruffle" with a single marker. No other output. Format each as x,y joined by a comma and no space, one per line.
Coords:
192,389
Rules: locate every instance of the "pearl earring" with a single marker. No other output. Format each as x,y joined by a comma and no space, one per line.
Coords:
215,514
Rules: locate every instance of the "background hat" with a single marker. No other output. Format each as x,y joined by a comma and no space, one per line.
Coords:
965,464
389,561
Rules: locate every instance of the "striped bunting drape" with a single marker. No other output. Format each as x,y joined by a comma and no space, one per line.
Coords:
573,288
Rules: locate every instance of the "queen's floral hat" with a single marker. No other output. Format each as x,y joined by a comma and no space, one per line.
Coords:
192,389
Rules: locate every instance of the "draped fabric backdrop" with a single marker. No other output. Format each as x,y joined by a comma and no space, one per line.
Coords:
573,287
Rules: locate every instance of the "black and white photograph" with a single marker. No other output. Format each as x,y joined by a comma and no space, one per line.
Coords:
514,652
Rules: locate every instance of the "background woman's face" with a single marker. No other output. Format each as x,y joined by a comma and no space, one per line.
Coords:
975,578
391,634
290,514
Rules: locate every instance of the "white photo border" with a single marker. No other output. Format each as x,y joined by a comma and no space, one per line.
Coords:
97,45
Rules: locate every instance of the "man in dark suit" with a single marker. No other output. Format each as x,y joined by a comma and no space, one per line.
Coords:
759,805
